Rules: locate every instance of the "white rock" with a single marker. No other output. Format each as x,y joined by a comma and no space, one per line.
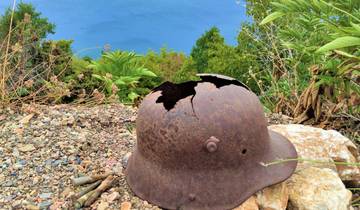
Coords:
317,189
324,145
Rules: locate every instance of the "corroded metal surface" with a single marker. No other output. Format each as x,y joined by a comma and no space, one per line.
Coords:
205,150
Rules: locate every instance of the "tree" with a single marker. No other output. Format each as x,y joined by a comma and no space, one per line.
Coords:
207,47
38,26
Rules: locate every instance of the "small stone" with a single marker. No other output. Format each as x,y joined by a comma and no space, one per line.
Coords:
125,205
8,184
112,197
31,207
45,195
103,206
15,152
45,204
26,148
27,119
39,169
9,198
16,204
20,164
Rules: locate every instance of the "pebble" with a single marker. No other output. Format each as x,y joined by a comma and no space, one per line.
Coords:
112,197
26,148
45,195
103,206
38,158
125,206
45,204
8,183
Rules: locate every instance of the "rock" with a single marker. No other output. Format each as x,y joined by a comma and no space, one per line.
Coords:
249,204
274,197
324,145
26,148
317,188
112,197
31,207
45,204
103,206
8,183
125,205
45,195
27,119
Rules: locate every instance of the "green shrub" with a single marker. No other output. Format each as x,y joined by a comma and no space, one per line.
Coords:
121,73
164,64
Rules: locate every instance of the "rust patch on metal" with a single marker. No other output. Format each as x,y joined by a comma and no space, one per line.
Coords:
209,160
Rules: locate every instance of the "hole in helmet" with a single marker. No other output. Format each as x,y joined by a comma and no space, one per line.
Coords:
220,81
244,151
172,93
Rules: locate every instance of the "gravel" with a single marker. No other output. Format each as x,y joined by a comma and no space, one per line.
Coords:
43,147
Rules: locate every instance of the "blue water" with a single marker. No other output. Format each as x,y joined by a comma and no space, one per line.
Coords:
138,25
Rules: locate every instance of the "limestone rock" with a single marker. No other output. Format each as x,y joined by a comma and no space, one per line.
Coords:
317,189
324,145
274,197
249,204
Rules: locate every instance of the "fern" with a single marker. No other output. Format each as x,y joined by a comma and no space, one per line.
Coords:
122,69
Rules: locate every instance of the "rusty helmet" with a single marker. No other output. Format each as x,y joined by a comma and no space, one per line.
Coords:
203,145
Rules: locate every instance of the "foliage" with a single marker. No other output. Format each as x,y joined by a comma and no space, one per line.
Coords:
325,36
121,73
27,62
187,72
57,56
207,47
164,64
25,18
212,55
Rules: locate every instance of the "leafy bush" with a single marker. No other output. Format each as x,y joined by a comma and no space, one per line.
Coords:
121,73
164,64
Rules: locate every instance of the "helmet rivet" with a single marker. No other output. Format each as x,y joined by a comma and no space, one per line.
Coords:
211,144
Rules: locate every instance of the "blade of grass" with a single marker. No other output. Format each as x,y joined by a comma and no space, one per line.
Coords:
3,78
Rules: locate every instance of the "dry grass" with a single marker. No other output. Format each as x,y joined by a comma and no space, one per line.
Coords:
17,76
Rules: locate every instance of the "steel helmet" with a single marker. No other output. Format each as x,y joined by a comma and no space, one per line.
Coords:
203,145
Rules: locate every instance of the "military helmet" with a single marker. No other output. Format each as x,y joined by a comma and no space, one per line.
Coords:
204,145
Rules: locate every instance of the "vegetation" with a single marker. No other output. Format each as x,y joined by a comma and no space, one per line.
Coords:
121,73
323,38
301,57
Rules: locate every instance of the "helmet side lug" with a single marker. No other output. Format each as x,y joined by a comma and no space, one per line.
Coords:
211,144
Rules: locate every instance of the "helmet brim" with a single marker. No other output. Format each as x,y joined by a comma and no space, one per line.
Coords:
210,190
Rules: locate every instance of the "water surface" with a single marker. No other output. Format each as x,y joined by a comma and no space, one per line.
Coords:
138,25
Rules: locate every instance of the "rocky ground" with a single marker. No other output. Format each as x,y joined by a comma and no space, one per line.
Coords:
42,148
